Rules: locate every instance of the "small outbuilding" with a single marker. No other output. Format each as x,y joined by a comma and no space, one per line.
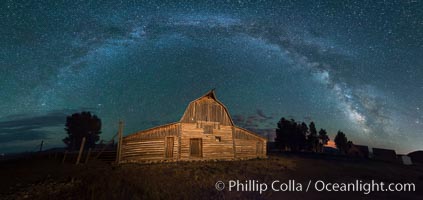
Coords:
416,156
364,150
387,155
205,132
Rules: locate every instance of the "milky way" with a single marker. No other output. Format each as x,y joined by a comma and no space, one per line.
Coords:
355,67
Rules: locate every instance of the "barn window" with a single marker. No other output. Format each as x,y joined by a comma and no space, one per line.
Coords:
218,138
208,129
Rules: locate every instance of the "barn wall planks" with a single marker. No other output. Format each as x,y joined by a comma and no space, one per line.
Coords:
149,144
216,145
205,131
248,145
157,132
206,109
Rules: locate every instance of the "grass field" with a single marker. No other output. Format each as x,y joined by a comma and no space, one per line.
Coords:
49,179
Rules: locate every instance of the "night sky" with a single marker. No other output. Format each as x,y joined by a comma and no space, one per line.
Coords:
354,66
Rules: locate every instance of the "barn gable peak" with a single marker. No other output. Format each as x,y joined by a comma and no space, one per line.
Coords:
210,94
202,109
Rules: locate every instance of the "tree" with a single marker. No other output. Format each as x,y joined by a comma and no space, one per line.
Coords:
301,136
80,125
290,135
323,139
293,137
350,144
341,142
313,140
282,134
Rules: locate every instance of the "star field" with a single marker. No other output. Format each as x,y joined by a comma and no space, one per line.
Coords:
356,66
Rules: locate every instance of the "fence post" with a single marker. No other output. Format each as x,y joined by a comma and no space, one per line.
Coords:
88,156
64,156
41,145
81,149
119,147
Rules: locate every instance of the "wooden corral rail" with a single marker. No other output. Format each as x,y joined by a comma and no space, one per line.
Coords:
107,156
205,132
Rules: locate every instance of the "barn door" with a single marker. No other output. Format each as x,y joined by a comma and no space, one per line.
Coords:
169,147
259,148
195,147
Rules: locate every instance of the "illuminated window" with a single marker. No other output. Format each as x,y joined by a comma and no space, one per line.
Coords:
218,138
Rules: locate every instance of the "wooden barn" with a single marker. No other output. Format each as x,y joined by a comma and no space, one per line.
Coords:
205,132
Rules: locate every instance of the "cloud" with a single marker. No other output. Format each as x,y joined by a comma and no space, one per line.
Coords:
308,119
261,114
289,117
23,135
257,121
26,127
238,119
269,133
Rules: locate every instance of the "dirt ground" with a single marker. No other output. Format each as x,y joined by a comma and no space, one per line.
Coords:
36,178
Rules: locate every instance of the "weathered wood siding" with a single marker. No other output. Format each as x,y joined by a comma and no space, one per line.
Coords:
206,109
205,132
149,145
248,145
212,148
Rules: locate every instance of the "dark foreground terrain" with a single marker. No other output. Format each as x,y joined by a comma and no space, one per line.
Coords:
49,179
